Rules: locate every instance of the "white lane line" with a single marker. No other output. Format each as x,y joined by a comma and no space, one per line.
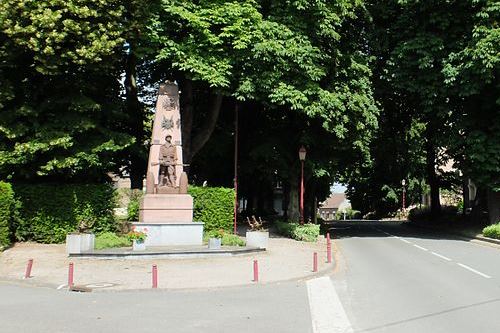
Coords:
404,240
441,256
327,313
419,247
473,270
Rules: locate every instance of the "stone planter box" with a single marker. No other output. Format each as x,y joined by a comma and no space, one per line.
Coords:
79,243
138,245
258,239
214,243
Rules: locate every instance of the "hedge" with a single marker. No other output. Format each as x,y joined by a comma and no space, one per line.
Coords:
8,212
213,206
50,211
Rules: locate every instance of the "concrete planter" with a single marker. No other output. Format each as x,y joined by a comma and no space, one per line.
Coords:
258,239
138,245
214,243
79,243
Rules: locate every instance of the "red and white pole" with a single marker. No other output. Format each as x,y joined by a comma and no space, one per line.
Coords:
70,274
255,271
155,276
27,274
315,261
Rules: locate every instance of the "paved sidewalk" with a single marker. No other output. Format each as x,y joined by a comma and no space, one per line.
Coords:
285,259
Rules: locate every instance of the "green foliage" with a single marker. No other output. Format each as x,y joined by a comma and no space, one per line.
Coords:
349,214
227,239
8,214
492,231
50,211
133,206
307,232
107,240
213,206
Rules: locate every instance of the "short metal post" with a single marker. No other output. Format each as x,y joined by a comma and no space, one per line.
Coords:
315,262
70,274
328,248
27,274
255,271
155,276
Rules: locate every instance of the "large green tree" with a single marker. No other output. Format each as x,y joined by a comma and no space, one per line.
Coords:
59,91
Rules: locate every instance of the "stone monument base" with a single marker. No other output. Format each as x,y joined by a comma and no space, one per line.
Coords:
171,234
166,208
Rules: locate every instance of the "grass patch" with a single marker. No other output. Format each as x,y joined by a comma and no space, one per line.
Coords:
108,240
492,231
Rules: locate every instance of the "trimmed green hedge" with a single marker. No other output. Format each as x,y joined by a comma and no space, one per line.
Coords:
307,232
492,231
50,211
214,206
110,239
8,212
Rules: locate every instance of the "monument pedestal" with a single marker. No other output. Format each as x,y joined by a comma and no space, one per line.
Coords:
167,219
171,234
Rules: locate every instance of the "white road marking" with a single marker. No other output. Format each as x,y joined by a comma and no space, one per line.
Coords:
441,256
404,240
327,313
473,270
419,247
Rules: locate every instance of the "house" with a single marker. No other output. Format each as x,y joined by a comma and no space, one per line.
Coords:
335,202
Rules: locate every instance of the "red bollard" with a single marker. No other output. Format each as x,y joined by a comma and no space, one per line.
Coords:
155,276
27,274
328,240
315,262
328,253
255,271
70,274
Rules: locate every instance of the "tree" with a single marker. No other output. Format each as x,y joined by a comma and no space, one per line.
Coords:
59,91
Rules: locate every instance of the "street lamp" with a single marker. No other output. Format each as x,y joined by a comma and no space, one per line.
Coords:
302,158
403,182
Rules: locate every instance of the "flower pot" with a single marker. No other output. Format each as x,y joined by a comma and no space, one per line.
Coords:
214,243
258,239
138,245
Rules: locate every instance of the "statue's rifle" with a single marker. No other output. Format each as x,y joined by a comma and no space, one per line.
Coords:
158,163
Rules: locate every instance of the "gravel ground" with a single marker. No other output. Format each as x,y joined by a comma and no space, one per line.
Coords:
285,259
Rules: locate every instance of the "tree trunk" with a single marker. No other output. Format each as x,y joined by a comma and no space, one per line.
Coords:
293,211
136,118
493,200
432,179
193,142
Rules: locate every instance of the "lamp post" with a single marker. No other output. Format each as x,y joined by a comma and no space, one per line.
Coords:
302,158
403,182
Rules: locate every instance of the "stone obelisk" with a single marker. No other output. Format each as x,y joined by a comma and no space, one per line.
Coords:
166,210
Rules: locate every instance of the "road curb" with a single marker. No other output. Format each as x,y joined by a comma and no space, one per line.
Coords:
457,234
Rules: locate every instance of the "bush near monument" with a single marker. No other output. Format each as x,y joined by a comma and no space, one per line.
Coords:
8,213
227,238
307,232
492,231
108,240
50,211
213,206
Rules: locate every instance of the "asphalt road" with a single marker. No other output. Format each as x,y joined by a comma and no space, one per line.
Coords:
393,278
389,278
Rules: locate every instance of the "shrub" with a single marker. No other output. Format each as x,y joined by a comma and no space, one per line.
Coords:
227,239
214,206
307,232
107,240
133,206
50,211
492,231
8,214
